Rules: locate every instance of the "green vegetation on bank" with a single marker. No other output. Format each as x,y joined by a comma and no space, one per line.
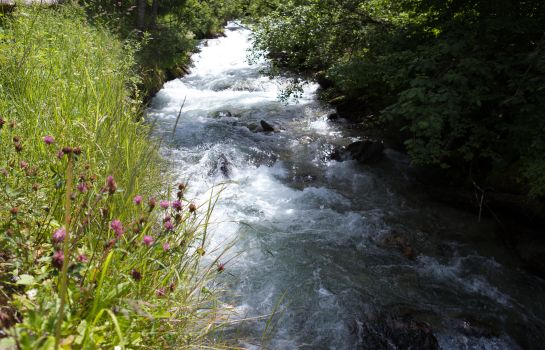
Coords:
86,217
167,30
460,82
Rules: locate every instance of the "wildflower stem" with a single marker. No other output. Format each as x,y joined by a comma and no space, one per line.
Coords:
63,283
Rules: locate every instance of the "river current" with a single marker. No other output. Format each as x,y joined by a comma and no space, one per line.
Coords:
330,245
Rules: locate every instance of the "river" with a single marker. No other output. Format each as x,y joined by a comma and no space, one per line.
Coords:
324,243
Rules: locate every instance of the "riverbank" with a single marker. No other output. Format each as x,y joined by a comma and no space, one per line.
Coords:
88,218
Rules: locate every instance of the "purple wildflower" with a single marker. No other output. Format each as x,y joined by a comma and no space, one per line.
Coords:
221,267
82,187
168,225
138,200
60,154
111,185
164,204
23,164
59,235
117,227
148,240
152,203
166,246
58,259
177,205
48,139
160,292
83,258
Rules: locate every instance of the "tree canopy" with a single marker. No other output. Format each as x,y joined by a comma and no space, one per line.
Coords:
463,81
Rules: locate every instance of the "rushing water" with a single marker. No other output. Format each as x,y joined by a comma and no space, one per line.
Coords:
324,240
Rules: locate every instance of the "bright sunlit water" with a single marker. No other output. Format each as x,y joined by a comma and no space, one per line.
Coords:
309,233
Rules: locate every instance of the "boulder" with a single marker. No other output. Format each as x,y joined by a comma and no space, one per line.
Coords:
323,80
266,126
333,116
366,151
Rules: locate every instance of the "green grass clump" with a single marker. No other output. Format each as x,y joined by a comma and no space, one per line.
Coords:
78,222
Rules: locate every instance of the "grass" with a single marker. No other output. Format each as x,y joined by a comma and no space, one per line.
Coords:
121,270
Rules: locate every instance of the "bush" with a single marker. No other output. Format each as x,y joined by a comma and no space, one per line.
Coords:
462,80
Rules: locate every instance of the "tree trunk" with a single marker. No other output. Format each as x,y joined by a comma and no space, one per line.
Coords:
153,18
141,15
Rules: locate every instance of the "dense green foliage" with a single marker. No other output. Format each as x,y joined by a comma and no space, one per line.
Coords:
463,80
168,30
77,169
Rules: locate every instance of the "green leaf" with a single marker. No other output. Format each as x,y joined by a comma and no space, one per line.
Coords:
25,280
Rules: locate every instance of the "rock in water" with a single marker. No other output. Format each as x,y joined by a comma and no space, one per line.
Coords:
366,151
266,126
394,332
333,116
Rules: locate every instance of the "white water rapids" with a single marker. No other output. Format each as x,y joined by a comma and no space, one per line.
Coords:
311,232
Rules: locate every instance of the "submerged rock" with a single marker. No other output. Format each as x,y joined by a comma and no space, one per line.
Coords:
389,332
398,241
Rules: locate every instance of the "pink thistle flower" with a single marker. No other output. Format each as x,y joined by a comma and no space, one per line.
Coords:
58,259
111,185
23,164
59,235
83,258
166,246
221,267
60,154
152,203
164,204
168,225
148,240
117,227
49,140
82,187
177,205
138,200
160,292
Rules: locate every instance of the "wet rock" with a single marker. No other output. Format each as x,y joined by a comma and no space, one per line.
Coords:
221,114
323,80
253,127
338,155
389,332
266,126
366,151
222,165
333,116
